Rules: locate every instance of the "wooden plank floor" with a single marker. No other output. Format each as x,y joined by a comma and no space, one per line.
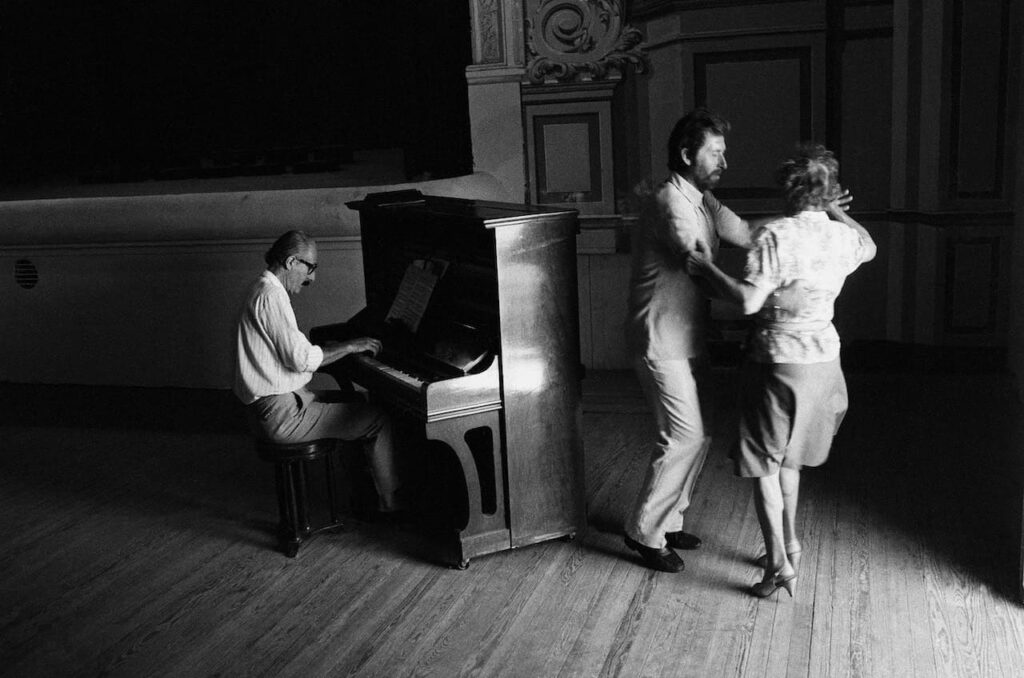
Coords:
145,549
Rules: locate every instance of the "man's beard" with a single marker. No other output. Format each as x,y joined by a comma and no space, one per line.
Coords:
709,181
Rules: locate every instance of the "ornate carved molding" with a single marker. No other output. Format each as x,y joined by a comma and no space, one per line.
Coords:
488,27
580,40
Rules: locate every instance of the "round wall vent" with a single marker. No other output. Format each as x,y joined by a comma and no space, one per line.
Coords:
25,274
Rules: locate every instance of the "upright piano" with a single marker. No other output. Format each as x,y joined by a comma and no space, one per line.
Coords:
476,305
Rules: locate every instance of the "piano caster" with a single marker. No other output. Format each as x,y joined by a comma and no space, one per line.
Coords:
568,538
461,565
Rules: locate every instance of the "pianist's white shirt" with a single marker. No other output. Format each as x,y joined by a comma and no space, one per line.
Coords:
272,355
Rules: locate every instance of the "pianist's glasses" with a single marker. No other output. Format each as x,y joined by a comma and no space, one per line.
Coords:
311,267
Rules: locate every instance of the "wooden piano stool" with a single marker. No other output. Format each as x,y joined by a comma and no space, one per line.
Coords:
291,470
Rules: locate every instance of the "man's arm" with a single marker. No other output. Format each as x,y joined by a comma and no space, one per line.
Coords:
734,230
293,350
730,227
737,231
677,226
740,292
336,350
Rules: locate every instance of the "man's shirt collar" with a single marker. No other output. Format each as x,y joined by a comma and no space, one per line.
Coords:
272,279
689,191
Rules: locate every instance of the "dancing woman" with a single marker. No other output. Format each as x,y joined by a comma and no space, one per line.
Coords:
793,393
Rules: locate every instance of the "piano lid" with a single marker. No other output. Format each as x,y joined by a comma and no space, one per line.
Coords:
491,213
409,196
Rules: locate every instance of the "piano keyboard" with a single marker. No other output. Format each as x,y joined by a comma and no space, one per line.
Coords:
406,379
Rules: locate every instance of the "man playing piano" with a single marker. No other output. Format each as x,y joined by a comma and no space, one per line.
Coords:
275,363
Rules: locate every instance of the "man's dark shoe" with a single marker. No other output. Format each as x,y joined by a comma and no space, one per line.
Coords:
663,560
682,540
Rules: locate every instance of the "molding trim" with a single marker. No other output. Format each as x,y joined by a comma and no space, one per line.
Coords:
650,9
733,33
485,75
488,28
895,357
943,219
879,33
891,356
324,243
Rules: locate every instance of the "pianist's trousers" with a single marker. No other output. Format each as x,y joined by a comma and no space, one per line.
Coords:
670,387
307,415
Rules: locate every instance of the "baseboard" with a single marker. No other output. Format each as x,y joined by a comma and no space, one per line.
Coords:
891,356
888,356
165,409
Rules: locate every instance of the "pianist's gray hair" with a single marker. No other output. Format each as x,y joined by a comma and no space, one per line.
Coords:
292,242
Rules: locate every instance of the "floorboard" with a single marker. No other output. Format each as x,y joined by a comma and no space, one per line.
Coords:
143,545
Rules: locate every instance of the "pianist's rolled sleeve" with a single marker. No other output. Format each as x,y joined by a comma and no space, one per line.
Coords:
273,355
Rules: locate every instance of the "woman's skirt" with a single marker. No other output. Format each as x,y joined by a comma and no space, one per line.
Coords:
789,414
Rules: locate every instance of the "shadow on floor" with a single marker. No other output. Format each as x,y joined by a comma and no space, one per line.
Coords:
929,453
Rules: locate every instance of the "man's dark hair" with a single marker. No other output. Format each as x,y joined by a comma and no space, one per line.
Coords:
689,134
809,178
292,242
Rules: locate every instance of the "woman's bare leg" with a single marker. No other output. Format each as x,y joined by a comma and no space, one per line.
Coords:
789,481
768,502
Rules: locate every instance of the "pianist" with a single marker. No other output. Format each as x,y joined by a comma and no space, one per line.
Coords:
275,363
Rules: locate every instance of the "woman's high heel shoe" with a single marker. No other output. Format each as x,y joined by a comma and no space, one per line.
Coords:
763,589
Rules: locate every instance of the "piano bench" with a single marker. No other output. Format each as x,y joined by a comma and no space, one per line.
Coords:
291,470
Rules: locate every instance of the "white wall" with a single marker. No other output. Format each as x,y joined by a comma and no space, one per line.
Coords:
144,290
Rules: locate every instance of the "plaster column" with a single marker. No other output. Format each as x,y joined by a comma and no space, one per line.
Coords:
495,102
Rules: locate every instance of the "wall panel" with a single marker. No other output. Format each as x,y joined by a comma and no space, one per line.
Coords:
865,153
980,47
569,147
974,263
952,282
766,94
771,88
610,286
972,272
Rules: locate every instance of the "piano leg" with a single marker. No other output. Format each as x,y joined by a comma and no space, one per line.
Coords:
487,527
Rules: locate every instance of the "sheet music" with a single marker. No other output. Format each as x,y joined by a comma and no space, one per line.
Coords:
415,291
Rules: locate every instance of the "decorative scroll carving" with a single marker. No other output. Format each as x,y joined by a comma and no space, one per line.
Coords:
578,40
